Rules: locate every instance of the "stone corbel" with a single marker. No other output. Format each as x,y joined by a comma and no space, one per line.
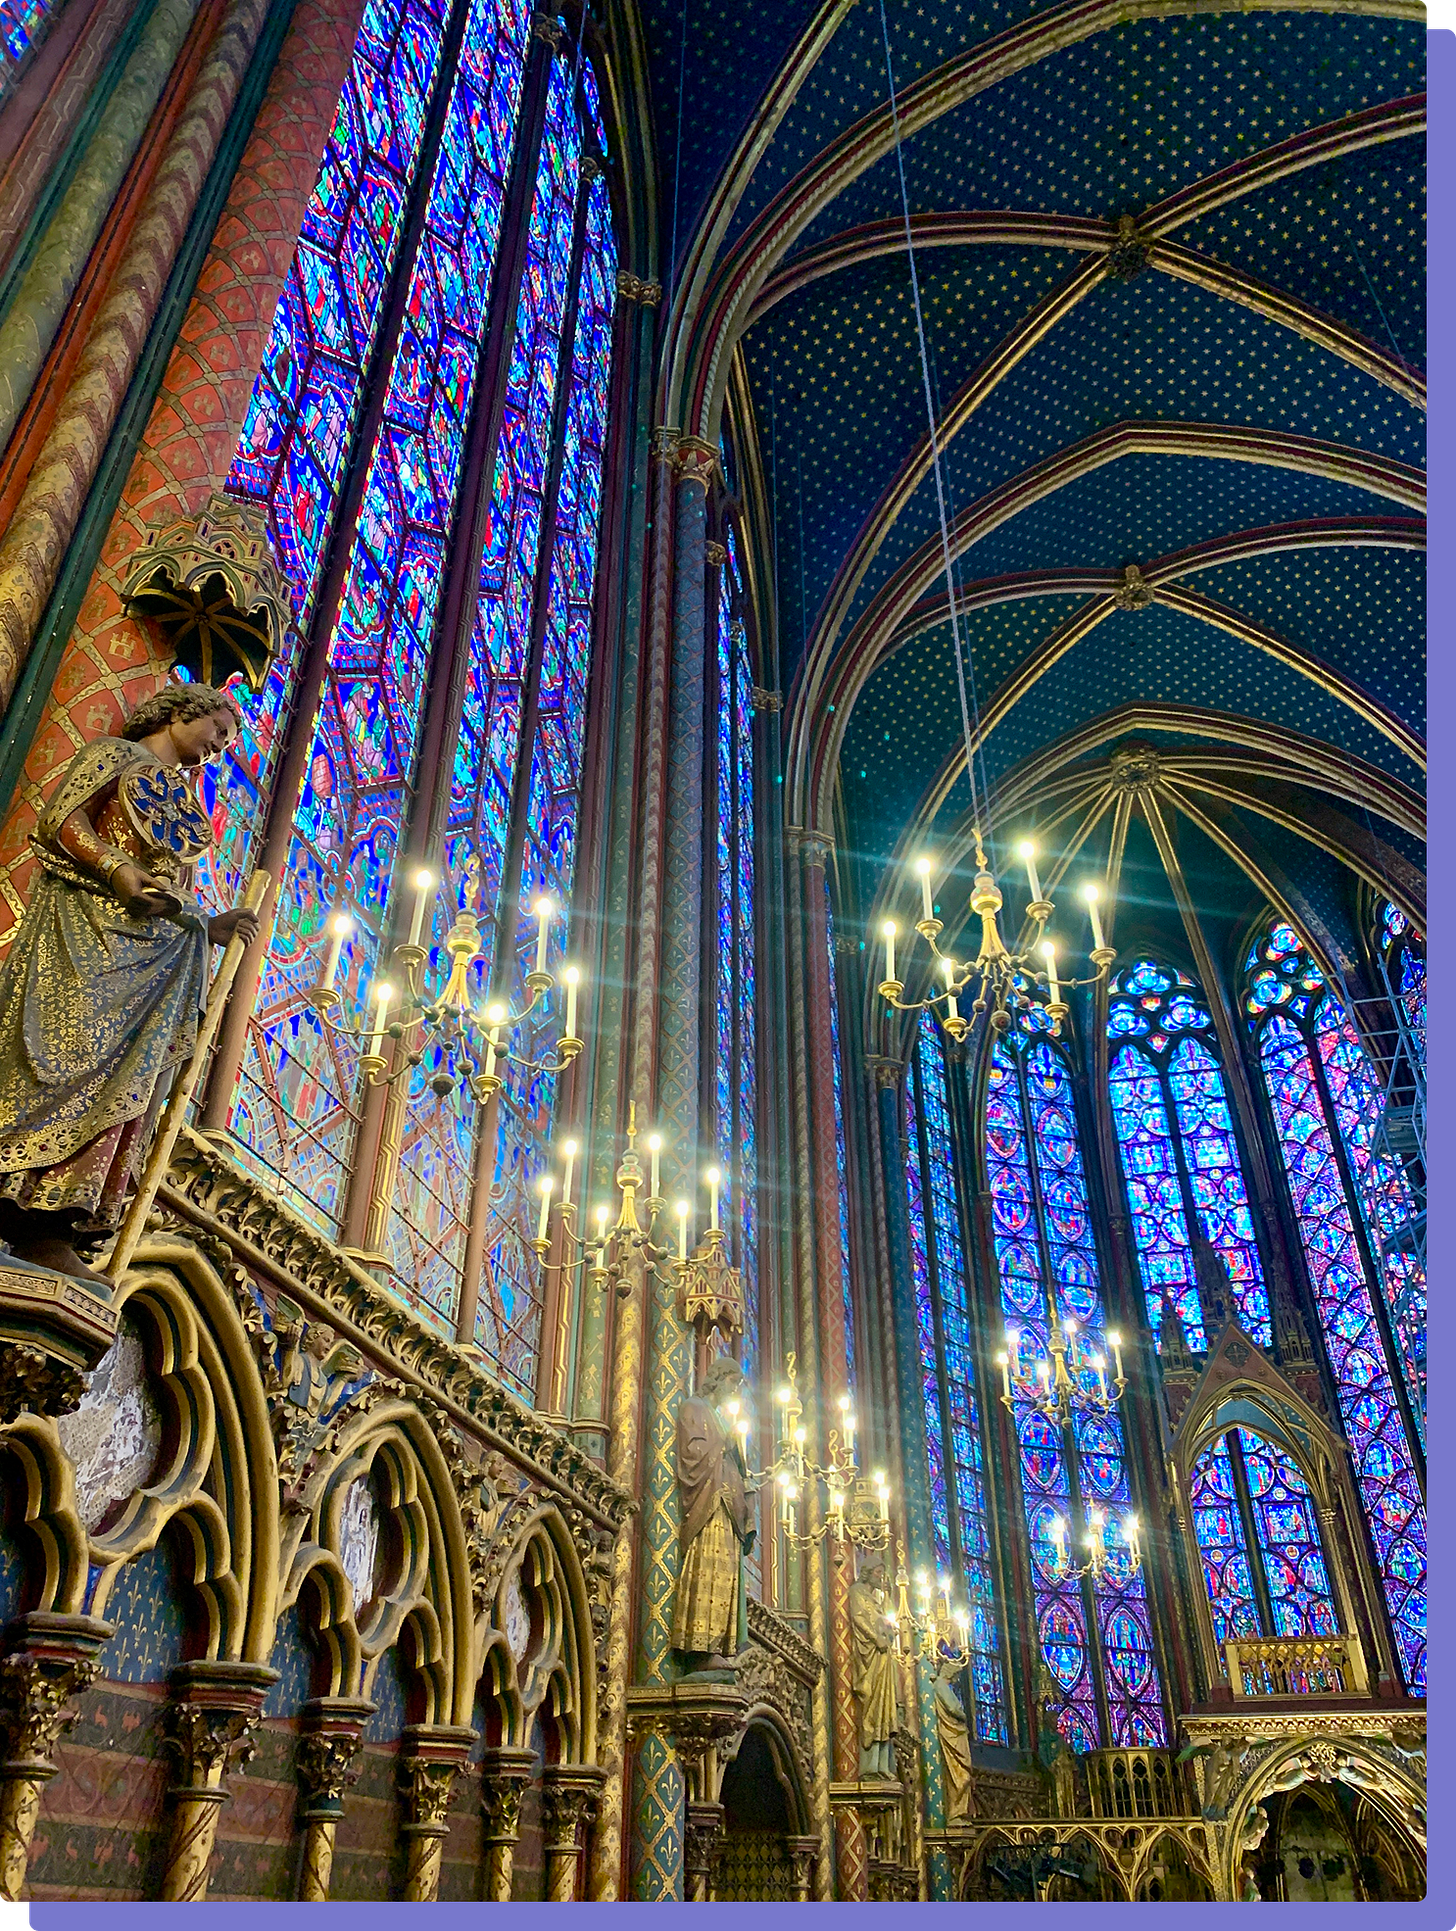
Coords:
209,1728
569,1797
327,1765
48,1661
504,1774
53,1331
431,1755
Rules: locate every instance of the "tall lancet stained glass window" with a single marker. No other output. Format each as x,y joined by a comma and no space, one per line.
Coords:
1107,1684
1180,1156
1351,1202
1257,1528
370,590
736,974
1401,948
959,1505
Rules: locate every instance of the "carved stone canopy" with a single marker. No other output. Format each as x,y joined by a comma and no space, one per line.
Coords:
213,586
52,1331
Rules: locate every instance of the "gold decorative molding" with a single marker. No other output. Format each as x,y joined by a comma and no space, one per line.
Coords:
53,1330
716,553
765,700
49,1660
1133,591
220,1200
1131,250
632,288
695,461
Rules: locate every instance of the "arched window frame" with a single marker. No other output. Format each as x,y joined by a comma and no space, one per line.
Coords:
1297,1024
1098,1708
954,1395
1156,1051
533,141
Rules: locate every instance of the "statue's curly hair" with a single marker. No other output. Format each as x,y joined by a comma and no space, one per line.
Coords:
178,703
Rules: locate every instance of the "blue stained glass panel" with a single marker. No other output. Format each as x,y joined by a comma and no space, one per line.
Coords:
1385,1469
967,1456
925,1331
1220,1198
1288,1537
20,23
295,1113
1154,1194
1218,1528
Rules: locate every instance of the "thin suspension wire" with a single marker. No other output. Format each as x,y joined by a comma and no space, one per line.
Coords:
934,445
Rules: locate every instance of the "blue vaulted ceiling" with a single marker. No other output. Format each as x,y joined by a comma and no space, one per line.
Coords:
1110,125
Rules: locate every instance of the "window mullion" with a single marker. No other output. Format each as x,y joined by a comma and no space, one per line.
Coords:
1252,1542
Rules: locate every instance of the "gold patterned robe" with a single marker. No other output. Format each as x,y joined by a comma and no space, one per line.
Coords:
875,1672
714,1529
97,1007
954,1734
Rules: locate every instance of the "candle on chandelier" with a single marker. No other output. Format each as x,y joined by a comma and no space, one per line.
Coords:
963,1624
496,1016
1130,1528
1049,953
1026,851
383,993
1043,1374
340,927
573,980
424,891
601,1236
888,929
1100,1364
712,1176
1059,1536
848,1413
545,1206
922,1591
944,1587
791,1495
682,1230
1115,1343
882,1489
836,1513
570,1152
654,1147
950,1004
1003,1362
922,865
543,910
1091,895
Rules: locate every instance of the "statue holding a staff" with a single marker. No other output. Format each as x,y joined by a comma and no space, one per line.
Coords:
102,987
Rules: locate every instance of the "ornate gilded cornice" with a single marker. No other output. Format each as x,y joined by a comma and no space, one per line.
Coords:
771,1632
207,1189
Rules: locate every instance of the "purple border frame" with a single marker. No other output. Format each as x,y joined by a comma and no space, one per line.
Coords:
1439,1906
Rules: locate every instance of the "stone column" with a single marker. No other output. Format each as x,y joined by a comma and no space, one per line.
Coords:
802,1852
702,1847
48,1661
569,1797
327,1765
209,1726
504,1775
430,1757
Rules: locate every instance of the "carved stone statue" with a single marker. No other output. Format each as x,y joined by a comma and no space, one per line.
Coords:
955,1743
101,987
875,1679
715,1534
1053,1750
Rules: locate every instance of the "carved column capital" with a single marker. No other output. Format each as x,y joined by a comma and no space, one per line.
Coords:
716,553
327,1755
569,1797
431,1755
802,1852
49,1660
632,288
695,461
763,700
665,439
593,167
209,1728
812,848
545,26
504,1775
887,1072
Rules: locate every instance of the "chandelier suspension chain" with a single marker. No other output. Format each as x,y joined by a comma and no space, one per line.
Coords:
966,705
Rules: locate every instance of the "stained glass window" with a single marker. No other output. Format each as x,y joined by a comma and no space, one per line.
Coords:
1403,953
508,798
1323,1096
23,25
952,1419
1249,1493
1042,1234
1180,1158
736,977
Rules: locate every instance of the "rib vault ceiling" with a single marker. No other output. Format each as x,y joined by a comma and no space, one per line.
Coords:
1171,268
